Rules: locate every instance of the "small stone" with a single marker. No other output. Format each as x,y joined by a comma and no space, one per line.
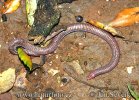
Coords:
85,63
80,43
98,12
129,69
57,57
53,72
60,6
35,73
79,18
12,32
4,18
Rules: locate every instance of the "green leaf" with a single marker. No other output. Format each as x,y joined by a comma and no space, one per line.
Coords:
132,92
25,58
31,6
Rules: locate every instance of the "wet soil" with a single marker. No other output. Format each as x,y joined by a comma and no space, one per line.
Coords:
89,51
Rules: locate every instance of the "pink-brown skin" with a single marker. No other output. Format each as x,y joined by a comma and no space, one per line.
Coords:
37,51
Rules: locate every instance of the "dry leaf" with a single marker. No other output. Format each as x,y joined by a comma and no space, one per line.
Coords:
103,26
96,23
7,79
31,6
53,72
126,17
10,6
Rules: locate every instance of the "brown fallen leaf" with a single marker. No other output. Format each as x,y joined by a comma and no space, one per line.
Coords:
126,17
103,26
10,6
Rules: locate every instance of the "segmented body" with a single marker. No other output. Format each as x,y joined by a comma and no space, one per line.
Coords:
37,51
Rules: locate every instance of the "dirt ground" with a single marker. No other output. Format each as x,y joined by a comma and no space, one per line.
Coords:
88,52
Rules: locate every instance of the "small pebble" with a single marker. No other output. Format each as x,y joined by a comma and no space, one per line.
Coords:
129,69
12,32
56,56
4,18
80,43
35,73
98,12
64,80
85,63
60,6
79,18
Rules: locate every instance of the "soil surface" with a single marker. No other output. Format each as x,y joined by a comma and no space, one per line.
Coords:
80,49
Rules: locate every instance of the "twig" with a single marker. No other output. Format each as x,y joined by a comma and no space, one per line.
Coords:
53,35
124,39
